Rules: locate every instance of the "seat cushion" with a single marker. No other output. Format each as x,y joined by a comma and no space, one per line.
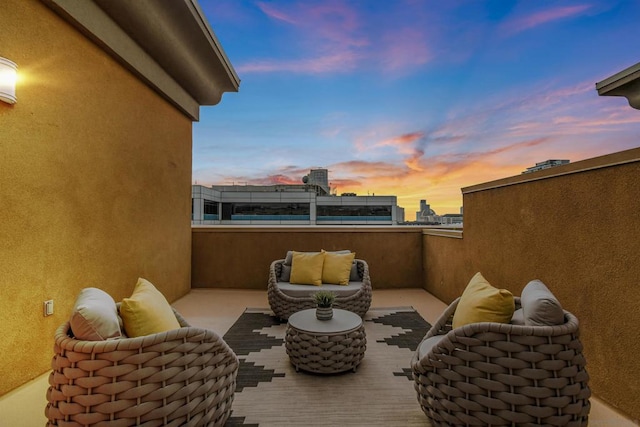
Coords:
481,302
428,344
539,306
297,291
518,317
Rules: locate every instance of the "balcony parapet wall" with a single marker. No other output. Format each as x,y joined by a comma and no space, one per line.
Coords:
576,227
239,256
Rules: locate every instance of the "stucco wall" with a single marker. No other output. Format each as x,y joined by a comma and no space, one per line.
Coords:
240,257
94,184
580,234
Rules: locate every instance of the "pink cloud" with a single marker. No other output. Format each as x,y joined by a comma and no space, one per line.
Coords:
330,21
276,13
404,48
540,18
330,37
339,61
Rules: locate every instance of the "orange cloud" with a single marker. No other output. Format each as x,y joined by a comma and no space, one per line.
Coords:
494,139
407,138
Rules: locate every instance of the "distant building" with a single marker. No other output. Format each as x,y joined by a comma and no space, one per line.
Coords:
309,203
319,177
426,214
399,214
451,219
545,165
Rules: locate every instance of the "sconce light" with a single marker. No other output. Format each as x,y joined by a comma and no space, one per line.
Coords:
8,78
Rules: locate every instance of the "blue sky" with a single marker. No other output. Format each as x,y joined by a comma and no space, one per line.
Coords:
414,98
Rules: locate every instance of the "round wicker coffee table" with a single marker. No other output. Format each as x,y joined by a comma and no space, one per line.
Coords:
325,346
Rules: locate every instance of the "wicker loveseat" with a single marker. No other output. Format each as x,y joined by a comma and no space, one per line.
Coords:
502,374
184,376
286,298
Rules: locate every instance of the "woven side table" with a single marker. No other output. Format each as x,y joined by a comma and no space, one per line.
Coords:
325,346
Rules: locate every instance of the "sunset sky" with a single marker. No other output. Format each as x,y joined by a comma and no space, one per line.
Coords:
414,98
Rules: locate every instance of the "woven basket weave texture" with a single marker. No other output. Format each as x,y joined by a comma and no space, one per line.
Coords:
284,305
503,374
185,376
326,354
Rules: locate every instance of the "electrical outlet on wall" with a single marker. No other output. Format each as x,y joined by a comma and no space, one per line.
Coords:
48,307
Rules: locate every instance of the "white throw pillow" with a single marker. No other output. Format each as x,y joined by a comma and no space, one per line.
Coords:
95,316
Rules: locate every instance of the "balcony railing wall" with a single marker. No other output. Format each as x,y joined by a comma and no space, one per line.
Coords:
576,228
239,257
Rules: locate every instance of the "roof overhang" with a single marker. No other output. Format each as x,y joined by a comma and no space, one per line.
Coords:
167,43
625,83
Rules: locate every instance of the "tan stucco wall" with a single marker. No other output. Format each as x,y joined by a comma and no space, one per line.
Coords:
240,257
94,184
580,234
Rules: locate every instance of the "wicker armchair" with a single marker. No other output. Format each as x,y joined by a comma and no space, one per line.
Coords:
502,374
185,376
284,305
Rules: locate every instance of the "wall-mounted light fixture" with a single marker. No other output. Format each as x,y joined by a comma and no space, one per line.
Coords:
8,78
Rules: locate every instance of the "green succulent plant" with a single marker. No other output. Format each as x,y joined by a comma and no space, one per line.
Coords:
324,298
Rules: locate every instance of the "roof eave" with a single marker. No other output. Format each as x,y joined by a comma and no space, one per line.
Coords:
624,83
168,44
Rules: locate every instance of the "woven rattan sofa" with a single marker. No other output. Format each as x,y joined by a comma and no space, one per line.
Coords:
502,374
286,298
185,376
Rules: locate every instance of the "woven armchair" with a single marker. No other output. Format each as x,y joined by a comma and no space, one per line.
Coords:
284,305
503,374
185,376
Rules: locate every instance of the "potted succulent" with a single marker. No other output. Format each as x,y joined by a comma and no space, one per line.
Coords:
324,301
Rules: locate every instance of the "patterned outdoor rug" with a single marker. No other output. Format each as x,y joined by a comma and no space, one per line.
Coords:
271,393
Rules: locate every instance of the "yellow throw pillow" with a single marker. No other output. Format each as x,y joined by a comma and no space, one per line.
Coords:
147,311
337,268
481,302
306,268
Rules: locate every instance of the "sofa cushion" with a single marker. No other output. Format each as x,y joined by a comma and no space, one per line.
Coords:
518,317
285,273
289,258
306,268
426,345
147,311
481,302
95,316
297,291
337,267
539,306
353,274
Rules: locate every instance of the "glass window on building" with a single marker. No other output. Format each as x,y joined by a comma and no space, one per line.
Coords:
210,210
266,211
364,213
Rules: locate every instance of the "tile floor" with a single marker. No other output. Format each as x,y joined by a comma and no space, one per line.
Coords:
218,309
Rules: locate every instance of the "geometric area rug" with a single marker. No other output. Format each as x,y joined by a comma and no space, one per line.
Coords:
381,392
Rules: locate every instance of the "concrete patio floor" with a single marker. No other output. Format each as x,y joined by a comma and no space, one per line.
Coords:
218,309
